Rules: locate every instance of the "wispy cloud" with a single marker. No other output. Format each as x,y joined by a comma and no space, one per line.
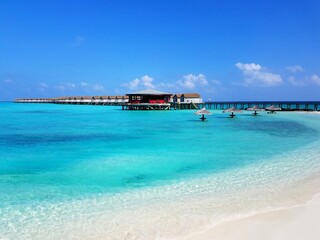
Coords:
163,85
65,86
315,79
191,81
43,86
79,87
78,41
295,82
255,75
186,83
147,81
143,82
96,87
216,82
295,68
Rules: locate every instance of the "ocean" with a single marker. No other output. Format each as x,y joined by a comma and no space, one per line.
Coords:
98,172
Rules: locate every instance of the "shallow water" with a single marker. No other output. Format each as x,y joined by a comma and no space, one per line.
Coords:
78,171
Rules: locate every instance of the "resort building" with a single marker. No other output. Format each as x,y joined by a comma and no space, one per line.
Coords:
155,100
85,100
96,100
109,100
187,98
142,100
148,100
176,98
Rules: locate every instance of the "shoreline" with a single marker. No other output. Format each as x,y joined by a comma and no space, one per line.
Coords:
294,223
269,224
296,215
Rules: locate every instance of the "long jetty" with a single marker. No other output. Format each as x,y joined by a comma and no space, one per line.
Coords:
104,100
218,105
284,105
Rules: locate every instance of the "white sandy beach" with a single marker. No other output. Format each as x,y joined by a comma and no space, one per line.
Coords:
295,223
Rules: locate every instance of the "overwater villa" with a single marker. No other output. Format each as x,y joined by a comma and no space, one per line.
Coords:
109,100
155,100
187,98
148,100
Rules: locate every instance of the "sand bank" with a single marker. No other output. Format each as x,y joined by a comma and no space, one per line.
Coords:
295,223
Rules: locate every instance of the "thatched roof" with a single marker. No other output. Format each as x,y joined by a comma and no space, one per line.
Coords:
233,109
273,108
255,108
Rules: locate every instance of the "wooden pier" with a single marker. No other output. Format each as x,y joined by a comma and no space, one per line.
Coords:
182,106
105,100
284,105
146,106
218,105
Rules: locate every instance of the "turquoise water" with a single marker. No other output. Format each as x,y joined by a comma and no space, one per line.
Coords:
58,154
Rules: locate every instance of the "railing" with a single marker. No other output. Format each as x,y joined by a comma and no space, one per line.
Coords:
284,105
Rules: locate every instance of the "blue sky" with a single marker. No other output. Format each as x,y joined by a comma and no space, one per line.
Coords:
223,49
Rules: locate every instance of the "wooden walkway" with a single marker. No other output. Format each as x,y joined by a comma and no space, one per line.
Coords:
220,105
284,105
146,106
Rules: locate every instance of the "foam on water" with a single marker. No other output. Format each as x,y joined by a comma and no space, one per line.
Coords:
166,176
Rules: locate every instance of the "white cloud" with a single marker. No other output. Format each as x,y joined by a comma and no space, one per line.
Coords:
296,82
60,87
256,76
134,83
147,81
97,87
43,86
143,82
190,81
294,69
65,86
70,85
315,78
78,41
248,67
216,82
88,87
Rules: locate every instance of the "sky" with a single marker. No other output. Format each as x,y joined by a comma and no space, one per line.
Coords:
226,50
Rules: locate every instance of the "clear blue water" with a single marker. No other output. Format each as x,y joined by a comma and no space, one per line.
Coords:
55,153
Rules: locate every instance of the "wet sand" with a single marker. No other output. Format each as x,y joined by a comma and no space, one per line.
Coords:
295,223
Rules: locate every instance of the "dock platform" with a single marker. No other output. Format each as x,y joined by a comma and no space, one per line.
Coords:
146,106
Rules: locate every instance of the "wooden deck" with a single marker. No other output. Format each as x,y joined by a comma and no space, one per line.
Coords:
146,106
182,106
284,105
